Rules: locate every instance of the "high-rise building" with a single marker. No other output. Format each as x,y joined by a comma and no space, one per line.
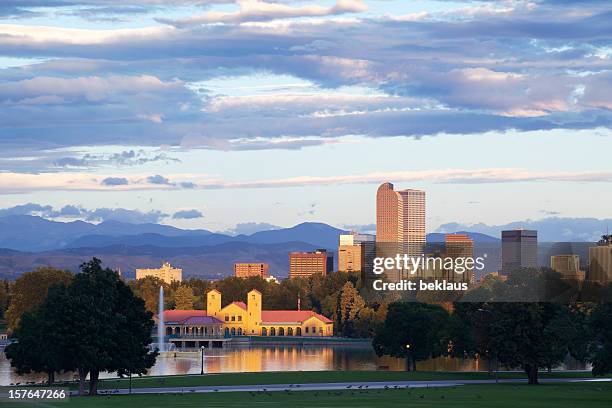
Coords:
519,250
400,224
600,261
567,265
305,264
356,252
245,270
166,273
460,246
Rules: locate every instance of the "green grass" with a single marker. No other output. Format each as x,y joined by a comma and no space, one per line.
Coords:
299,377
584,395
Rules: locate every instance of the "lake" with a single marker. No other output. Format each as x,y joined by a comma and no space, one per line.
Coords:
275,358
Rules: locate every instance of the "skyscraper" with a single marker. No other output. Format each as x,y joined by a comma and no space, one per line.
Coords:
600,261
519,250
356,253
460,246
400,223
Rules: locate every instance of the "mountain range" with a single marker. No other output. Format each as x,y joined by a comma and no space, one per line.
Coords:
27,242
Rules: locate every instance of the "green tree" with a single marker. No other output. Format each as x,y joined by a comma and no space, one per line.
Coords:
414,331
530,335
183,298
40,344
94,324
4,298
110,327
148,289
30,290
600,347
350,304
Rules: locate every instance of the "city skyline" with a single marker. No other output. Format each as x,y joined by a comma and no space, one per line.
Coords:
142,113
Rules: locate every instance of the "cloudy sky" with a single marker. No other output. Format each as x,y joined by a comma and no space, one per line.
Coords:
218,113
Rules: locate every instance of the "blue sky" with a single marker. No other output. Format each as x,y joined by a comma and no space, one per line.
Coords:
227,112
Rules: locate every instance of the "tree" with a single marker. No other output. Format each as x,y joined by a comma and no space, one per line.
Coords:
350,303
110,327
600,347
4,297
94,324
30,290
415,331
530,335
148,289
183,298
40,344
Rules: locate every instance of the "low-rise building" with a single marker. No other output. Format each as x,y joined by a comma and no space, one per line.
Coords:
166,273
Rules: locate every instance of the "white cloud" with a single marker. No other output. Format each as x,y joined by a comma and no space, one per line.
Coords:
257,10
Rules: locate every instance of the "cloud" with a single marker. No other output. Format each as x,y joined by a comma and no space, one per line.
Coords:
439,73
551,229
124,215
187,214
115,181
361,228
79,212
19,182
249,228
257,10
157,179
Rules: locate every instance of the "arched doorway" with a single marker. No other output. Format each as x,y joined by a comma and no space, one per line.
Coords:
233,331
226,332
273,331
240,331
168,331
298,331
290,331
281,331
264,331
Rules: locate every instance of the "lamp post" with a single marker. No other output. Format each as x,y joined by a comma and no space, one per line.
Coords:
202,364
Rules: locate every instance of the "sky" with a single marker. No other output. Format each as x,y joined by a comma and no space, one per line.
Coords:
241,115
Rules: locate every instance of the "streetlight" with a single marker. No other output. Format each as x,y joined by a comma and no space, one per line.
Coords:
202,369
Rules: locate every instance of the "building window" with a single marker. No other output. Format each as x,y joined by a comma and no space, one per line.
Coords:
227,318
306,329
233,318
239,318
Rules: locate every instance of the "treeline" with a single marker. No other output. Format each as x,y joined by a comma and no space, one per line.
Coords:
86,323
529,336
335,296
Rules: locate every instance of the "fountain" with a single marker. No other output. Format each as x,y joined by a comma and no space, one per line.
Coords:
161,329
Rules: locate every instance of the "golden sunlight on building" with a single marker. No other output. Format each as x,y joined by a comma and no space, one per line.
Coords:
213,326
166,273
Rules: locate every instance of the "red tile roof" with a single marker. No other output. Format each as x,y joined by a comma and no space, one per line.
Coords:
181,315
240,304
290,316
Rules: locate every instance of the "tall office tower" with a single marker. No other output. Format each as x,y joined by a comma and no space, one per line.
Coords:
519,250
305,264
600,261
567,265
356,253
460,246
400,224
245,270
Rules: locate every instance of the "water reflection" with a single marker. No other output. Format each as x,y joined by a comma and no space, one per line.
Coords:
276,358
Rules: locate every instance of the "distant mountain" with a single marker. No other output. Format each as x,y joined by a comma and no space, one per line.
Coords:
550,229
438,237
208,262
32,233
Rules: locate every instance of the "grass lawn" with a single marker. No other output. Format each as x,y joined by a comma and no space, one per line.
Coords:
584,395
298,377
